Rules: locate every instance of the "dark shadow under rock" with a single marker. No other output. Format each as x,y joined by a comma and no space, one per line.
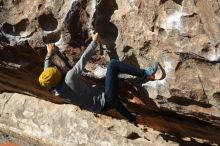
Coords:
76,24
107,30
187,102
3,39
48,22
16,29
52,37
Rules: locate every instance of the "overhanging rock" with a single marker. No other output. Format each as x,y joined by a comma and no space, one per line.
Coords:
183,35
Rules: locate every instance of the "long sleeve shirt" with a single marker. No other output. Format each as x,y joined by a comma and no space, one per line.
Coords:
81,93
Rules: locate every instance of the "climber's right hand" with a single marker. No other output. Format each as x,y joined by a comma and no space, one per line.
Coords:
95,37
50,49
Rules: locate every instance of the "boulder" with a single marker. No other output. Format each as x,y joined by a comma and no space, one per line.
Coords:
183,35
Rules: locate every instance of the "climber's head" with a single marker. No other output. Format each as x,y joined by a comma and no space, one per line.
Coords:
50,77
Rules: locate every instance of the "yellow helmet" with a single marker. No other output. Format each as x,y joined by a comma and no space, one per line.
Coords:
50,77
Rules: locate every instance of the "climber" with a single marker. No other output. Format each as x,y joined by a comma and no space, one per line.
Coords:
87,96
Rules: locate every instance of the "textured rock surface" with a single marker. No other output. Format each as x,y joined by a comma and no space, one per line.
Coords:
183,35
67,125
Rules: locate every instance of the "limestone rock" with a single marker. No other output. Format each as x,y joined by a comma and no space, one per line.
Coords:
183,35
51,124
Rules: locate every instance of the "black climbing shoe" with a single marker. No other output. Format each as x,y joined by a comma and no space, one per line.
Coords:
133,118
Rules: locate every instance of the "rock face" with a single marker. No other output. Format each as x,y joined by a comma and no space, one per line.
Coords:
183,35
50,124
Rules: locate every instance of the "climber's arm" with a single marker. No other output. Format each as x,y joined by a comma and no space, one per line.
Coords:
77,70
50,51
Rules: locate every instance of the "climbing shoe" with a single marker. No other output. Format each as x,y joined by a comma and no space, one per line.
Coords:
149,73
133,118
